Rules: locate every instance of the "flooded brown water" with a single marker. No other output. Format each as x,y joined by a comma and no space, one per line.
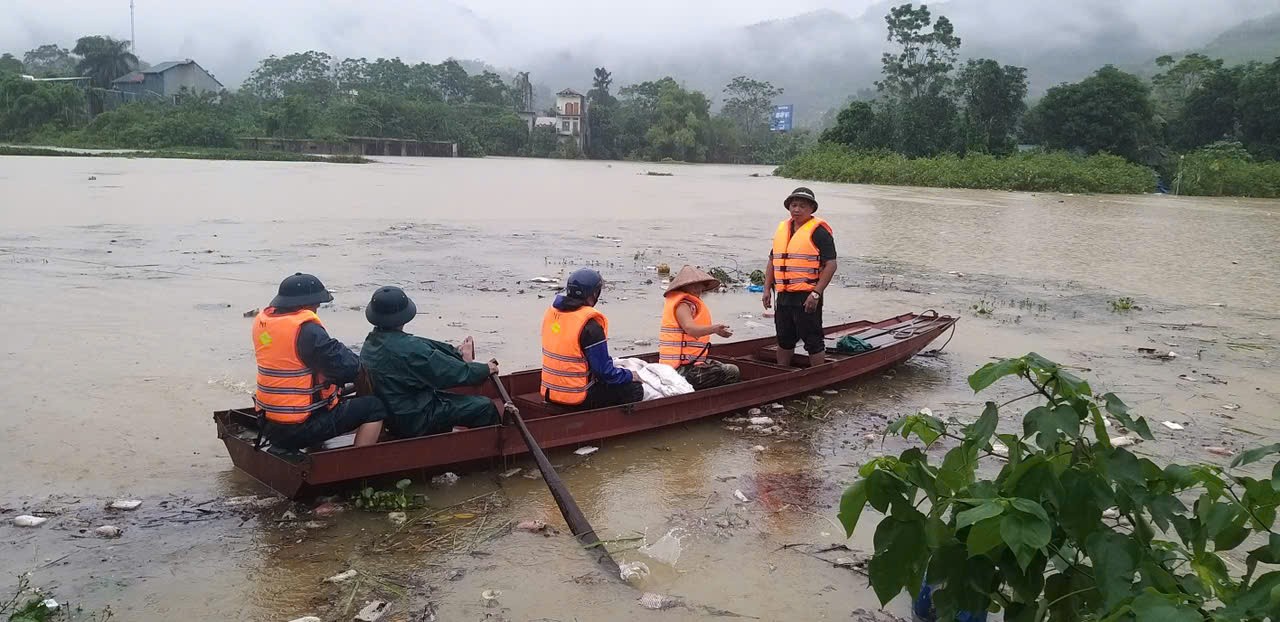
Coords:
122,329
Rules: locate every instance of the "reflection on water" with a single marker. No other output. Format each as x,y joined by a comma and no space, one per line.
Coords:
138,295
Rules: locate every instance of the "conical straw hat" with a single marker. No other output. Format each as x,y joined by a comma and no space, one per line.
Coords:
689,275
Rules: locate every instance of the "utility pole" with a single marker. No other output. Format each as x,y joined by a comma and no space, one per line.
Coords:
133,36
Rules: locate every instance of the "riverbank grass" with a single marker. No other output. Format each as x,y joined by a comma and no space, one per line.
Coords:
188,154
1034,171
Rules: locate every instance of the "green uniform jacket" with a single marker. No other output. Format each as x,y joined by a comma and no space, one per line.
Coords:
410,373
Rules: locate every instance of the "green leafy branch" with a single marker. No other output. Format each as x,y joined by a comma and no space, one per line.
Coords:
1071,527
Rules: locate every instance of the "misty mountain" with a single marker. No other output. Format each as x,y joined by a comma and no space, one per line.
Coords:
824,58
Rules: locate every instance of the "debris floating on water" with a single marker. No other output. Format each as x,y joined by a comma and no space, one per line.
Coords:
586,451
999,449
1219,451
448,478
777,406
1122,441
650,600
758,448
108,531
251,313
1171,425
666,549
327,509
831,392
49,604
761,421
372,611
306,619
755,412
532,525
643,342
737,494
27,520
510,473
490,595
1111,513
342,577
1231,406
633,571
125,504
398,518
542,279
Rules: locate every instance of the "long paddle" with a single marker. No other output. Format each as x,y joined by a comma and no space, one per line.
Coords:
582,529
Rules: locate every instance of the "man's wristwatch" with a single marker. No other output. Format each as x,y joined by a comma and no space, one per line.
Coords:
816,295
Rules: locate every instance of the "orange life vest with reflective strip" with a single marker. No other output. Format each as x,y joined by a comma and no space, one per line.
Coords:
675,347
288,390
796,262
565,374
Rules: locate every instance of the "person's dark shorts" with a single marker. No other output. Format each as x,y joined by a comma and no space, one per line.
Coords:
794,325
323,425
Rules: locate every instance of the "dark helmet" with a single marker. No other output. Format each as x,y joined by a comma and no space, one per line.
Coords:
301,290
583,284
390,307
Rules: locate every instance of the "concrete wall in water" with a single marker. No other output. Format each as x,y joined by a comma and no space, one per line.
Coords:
354,145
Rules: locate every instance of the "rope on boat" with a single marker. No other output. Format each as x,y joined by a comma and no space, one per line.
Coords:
915,326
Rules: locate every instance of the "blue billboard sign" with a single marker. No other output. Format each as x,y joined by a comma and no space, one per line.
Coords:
781,119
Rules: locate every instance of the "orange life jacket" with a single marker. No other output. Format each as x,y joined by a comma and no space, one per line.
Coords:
288,390
676,347
565,374
795,258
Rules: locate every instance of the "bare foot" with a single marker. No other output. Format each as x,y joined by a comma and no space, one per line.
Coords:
468,349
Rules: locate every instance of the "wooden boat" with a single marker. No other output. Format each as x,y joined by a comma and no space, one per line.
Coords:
893,341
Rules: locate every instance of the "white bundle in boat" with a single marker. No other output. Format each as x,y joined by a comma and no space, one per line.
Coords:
659,379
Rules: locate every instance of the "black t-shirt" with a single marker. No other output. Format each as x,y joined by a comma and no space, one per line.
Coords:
826,244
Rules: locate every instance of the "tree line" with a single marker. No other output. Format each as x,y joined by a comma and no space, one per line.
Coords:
928,104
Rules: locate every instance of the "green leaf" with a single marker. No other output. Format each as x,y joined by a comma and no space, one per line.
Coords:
1255,454
1025,534
1152,606
1275,477
1030,507
1114,558
1120,411
1048,426
982,512
402,484
937,533
991,372
1211,569
983,537
1254,602
900,557
1124,468
883,489
979,433
1215,516
852,502
1070,385
957,470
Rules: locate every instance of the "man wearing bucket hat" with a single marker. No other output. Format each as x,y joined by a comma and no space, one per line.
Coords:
300,370
684,338
411,373
800,267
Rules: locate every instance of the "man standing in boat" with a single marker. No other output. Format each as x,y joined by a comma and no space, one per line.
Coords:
684,339
410,373
800,267
300,370
577,370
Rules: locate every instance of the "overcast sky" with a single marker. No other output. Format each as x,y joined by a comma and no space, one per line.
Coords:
229,36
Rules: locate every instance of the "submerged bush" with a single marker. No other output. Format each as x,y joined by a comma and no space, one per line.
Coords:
1226,169
1029,171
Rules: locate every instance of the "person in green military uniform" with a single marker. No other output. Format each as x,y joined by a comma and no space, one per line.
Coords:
411,373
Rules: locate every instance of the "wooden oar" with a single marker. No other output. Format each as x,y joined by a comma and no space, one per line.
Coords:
582,529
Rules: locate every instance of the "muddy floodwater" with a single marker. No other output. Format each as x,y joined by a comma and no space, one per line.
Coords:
126,285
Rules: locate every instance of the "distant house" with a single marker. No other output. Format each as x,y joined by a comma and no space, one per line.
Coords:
571,117
168,79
